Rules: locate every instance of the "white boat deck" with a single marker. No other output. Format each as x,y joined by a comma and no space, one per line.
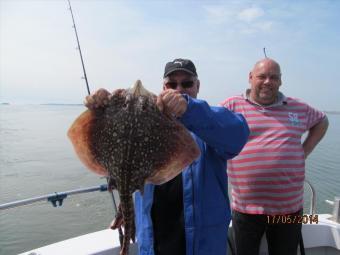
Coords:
321,238
104,242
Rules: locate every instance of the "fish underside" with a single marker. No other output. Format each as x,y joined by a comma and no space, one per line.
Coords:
132,143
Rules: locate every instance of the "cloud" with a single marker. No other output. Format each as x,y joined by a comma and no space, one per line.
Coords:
264,26
218,14
250,14
246,20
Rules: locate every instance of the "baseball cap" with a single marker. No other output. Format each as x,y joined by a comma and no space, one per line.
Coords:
180,64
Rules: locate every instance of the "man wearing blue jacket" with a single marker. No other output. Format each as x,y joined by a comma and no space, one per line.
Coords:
190,214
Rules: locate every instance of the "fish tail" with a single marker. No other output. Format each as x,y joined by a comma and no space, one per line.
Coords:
129,225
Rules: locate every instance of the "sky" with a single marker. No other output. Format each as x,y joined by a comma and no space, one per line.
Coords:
123,41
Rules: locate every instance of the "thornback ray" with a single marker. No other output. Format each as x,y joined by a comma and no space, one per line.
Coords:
133,143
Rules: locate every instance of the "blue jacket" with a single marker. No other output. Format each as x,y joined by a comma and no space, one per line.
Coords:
220,135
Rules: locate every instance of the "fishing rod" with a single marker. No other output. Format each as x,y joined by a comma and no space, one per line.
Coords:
53,198
87,84
264,52
81,55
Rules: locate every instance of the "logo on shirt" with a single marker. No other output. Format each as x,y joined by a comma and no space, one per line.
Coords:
293,118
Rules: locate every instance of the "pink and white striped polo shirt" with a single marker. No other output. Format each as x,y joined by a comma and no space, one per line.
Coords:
267,176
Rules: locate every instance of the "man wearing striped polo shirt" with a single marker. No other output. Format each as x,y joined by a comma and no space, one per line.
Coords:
267,177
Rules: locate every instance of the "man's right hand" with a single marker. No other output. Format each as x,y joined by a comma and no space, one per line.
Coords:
98,99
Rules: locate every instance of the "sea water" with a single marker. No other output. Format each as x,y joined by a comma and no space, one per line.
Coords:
37,158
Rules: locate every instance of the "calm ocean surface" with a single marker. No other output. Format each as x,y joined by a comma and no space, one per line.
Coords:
36,158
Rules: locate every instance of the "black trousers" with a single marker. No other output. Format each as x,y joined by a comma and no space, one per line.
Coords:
282,237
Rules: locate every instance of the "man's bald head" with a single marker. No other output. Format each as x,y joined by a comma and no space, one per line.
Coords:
269,62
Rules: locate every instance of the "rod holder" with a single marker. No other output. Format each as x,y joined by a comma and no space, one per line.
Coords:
336,210
57,198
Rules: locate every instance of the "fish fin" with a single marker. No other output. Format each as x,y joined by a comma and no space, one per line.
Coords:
118,220
79,134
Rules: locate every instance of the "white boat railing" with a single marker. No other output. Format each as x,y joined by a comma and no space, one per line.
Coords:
312,208
55,198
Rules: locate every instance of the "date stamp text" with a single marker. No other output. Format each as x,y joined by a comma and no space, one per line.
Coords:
293,219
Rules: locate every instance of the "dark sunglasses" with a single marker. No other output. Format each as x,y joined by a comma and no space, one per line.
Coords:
184,84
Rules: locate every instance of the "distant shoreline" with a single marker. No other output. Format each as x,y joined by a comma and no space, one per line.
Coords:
333,112
70,104
61,104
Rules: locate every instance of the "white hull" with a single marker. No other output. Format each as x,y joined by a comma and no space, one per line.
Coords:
322,238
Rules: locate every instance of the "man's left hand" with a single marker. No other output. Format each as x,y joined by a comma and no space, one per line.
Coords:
172,102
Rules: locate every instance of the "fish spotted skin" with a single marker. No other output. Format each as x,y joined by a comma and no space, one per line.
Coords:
135,143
